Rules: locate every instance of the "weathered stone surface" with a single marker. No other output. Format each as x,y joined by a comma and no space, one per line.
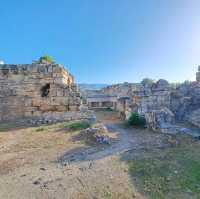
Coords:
53,117
185,100
160,119
99,134
35,90
160,103
194,117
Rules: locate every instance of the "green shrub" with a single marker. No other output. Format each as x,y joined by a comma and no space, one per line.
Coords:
108,109
40,129
136,120
46,58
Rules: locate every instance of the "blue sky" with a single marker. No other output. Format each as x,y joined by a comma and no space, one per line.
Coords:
105,41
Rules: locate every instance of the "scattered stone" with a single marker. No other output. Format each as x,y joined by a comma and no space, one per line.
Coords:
102,139
37,182
98,133
42,169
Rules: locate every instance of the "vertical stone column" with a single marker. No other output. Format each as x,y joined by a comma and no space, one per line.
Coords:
198,75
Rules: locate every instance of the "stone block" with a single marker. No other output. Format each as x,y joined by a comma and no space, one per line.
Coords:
60,92
62,108
46,107
36,102
73,108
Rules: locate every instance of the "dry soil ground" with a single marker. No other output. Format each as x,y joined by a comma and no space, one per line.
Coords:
47,163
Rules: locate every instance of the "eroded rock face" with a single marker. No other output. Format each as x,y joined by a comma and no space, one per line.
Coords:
37,90
185,100
160,119
194,117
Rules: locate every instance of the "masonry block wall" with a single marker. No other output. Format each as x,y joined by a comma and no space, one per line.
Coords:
33,90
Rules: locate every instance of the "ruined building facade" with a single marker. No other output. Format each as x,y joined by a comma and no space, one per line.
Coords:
160,103
37,91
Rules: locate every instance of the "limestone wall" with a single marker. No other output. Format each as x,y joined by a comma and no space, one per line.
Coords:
159,102
149,98
120,90
185,103
162,105
33,90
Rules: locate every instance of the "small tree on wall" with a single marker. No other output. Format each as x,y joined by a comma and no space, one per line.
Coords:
46,59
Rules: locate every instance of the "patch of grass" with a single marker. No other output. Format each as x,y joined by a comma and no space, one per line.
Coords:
107,194
7,127
40,129
76,126
172,176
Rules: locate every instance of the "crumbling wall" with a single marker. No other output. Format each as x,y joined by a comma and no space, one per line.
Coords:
153,102
35,90
185,103
120,90
161,104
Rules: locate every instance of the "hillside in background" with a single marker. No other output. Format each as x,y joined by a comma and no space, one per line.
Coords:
92,86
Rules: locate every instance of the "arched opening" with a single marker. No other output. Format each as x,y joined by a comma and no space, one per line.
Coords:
45,90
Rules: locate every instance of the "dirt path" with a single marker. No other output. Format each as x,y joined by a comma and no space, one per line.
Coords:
41,168
122,144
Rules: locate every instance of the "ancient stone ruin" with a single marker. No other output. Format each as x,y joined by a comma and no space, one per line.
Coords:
38,91
101,101
47,92
162,105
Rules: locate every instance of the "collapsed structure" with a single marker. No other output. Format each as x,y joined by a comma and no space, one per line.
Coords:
38,91
47,91
160,103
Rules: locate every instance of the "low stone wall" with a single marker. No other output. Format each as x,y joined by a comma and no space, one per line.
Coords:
54,117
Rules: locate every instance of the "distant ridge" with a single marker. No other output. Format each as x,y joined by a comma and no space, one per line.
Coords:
92,86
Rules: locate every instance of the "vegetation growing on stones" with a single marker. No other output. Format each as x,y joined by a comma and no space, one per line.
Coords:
136,120
46,59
